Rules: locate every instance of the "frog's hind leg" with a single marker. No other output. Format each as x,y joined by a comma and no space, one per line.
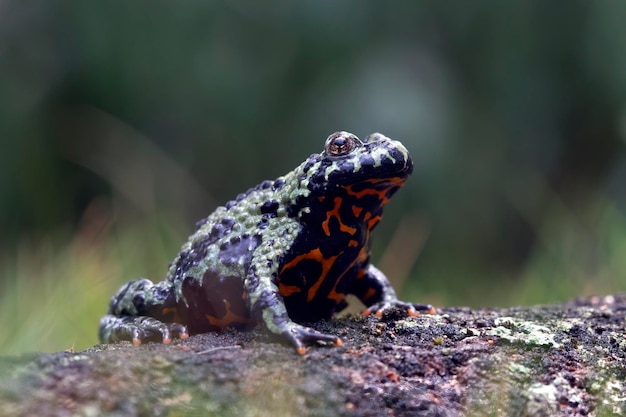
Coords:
138,329
141,311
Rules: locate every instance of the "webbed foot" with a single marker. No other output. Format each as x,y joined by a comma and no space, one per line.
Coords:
139,329
412,309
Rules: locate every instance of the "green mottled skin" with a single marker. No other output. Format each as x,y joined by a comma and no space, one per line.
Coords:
285,252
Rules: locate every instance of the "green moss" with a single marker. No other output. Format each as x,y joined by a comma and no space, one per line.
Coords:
523,332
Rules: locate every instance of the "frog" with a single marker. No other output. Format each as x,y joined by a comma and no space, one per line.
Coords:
283,255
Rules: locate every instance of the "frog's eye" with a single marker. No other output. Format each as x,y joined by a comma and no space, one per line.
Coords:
341,143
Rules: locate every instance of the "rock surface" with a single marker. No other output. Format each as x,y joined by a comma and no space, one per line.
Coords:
562,360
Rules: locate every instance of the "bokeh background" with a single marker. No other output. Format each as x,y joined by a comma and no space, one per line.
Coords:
124,122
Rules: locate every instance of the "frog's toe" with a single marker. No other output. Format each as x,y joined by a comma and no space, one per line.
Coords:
140,329
300,337
412,309
147,328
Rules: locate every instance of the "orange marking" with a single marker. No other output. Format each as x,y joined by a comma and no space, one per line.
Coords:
336,296
301,350
397,181
338,342
174,311
378,180
363,254
316,255
228,318
287,290
353,244
335,213
356,211
339,297
369,294
393,182
326,265
373,222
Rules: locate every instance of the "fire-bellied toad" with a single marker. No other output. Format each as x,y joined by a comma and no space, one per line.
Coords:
285,252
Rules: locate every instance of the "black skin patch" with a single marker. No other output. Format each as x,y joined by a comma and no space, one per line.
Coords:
278,184
238,249
252,279
269,207
343,174
238,199
263,223
264,185
197,253
309,164
221,229
188,259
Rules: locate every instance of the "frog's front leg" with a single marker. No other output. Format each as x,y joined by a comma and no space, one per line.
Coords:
267,307
136,313
375,291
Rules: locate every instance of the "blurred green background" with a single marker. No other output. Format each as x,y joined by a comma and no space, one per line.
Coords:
124,122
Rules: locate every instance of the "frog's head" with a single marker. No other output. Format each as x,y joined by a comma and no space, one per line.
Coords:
344,188
376,163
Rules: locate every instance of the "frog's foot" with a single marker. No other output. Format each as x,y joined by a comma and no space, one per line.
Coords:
412,309
301,336
139,329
